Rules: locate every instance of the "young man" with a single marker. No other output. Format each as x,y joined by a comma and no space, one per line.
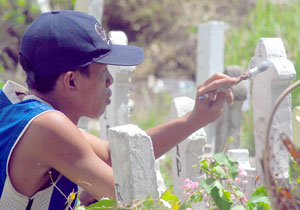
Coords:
43,155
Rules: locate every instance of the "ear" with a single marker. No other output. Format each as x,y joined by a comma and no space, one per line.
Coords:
69,81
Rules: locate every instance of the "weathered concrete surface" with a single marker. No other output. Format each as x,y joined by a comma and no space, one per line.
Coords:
133,163
267,87
188,152
210,60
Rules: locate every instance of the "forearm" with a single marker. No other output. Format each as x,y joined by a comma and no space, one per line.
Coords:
166,136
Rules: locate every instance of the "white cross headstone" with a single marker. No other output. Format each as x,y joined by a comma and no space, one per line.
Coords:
267,87
133,163
210,59
188,152
91,7
44,5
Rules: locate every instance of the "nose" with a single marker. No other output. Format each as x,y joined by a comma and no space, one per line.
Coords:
109,79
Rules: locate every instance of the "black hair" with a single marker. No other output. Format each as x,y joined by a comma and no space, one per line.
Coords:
41,83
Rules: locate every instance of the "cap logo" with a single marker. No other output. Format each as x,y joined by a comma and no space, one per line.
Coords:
102,33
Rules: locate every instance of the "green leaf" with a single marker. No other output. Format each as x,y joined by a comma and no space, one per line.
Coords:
221,159
197,197
259,199
221,198
239,193
170,198
260,195
204,165
104,204
209,184
220,172
232,164
238,207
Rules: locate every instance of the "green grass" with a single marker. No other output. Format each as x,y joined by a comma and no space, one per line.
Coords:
149,117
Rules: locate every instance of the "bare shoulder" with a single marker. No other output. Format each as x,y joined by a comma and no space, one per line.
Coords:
56,138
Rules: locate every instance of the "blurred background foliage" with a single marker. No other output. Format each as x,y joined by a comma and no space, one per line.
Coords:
167,31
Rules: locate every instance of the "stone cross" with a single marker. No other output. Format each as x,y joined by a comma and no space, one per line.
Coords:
118,112
91,7
229,124
188,152
267,87
133,163
44,5
210,59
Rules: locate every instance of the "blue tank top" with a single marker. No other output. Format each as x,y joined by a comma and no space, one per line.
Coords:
14,120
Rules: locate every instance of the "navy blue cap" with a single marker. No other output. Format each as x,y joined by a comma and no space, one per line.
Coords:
64,40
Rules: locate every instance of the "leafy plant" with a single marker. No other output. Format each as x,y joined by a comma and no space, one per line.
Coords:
223,188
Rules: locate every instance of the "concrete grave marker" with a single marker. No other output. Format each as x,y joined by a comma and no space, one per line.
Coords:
133,163
91,7
267,87
189,151
210,60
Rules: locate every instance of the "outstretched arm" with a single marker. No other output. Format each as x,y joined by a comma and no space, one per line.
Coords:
167,135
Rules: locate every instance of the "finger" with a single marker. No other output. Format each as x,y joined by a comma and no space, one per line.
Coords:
230,98
214,77
215,84
220,100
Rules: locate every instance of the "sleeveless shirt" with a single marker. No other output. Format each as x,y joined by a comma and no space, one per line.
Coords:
15,117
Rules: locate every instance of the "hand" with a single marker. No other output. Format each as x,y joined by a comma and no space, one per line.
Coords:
209,109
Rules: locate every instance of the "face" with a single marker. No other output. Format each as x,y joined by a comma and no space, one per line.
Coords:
95,91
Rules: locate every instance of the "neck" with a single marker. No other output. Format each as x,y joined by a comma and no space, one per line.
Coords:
55,101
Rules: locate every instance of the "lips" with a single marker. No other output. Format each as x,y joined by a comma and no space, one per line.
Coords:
109,93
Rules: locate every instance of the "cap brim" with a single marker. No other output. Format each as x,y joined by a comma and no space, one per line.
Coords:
123,55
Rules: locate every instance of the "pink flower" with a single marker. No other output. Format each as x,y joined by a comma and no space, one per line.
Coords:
188,209
228,180
237,180
245,181
244,199
242,172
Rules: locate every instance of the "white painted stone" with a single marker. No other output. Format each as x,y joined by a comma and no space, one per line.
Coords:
242,156
296,126
267,87
91,7
44,5
133,163
210,49
210,60
188,152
